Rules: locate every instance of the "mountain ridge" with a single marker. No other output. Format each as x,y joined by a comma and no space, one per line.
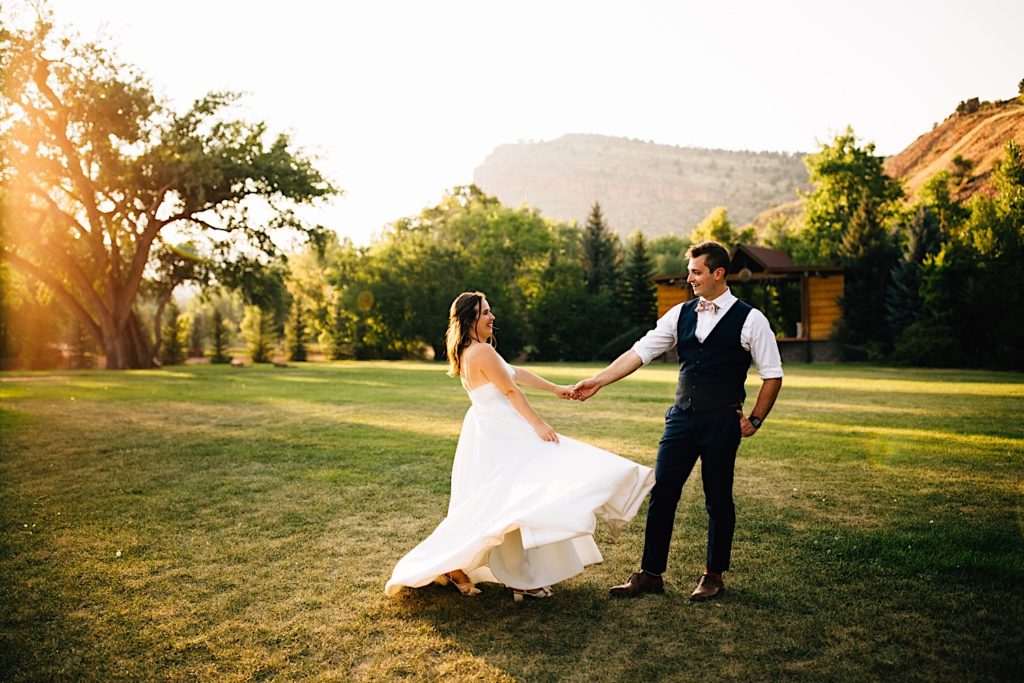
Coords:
657,188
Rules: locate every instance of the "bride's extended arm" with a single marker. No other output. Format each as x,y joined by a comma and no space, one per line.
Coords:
535,381
490,364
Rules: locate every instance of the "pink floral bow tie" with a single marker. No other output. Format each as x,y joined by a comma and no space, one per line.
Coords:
707,306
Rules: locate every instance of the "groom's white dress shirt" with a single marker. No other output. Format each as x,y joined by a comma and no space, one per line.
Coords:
755,337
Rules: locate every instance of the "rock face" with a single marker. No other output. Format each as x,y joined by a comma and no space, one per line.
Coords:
659,189
979,137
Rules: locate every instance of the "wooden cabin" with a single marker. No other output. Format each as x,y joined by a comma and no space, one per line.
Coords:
814,310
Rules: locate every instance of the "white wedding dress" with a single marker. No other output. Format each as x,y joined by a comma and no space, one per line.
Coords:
522,510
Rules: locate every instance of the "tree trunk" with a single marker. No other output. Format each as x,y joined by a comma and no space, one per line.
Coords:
158,324
127,348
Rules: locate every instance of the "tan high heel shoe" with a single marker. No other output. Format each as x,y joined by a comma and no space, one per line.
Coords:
466,588
520,594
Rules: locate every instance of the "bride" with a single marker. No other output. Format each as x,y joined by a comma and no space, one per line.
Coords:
524,499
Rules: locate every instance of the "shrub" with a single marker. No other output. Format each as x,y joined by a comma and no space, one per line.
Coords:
968,106
927,343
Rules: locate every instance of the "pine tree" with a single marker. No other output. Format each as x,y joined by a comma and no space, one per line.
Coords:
641,295
868,253
600,254
902,301
172,350
195,347
333,339
258,330
220,339
296,334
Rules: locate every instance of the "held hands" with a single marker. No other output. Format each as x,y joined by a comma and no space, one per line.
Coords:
586,388
566,392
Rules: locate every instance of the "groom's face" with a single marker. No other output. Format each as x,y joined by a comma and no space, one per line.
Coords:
703,280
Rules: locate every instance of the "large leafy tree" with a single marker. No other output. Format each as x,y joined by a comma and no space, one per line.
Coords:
97,173
718,227
468,241
845,177
848,220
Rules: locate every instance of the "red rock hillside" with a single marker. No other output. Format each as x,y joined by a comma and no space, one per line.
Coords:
979,137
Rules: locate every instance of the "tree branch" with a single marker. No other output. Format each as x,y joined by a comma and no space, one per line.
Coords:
74,165
194,219
123,307
59,291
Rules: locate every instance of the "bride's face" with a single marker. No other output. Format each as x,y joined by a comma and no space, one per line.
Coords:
484,328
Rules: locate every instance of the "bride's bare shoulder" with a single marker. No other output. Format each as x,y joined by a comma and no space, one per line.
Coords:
480,353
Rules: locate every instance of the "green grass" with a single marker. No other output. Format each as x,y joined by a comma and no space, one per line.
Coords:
240,523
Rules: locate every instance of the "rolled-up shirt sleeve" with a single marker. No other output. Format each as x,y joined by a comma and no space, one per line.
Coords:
661,338
758,338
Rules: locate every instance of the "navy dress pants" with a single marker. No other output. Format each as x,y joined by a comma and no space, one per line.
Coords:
714,437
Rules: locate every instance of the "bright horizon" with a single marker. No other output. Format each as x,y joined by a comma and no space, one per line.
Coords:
403,100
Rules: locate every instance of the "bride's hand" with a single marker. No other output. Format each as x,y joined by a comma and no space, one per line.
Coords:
545,432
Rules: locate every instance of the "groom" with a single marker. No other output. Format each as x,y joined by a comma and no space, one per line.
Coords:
716,336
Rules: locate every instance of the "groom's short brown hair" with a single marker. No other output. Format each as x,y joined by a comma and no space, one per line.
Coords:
715,255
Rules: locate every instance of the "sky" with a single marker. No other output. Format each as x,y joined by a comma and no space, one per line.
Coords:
400,101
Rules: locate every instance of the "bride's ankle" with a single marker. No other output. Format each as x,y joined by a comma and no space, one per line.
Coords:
459,576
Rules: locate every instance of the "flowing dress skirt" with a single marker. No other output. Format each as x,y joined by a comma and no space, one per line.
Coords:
522,510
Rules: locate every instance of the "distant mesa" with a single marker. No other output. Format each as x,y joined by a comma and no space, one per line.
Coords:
659,189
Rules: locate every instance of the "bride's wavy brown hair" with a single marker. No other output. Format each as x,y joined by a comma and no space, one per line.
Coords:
462,317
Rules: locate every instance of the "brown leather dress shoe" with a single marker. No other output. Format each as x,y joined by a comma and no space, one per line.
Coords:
709,587
638,584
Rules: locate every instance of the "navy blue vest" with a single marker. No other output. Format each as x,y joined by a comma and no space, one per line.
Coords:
711,374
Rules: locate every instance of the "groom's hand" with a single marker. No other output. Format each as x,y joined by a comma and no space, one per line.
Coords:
746,429
586,388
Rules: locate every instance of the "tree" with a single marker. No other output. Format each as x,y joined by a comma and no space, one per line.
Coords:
96,170
258,330
902,299
561,324
174,334
962,169
197,336
717,226
641,294
219,335
601,261
968,106
295,336
843,176
668,254
172,266
869,254
468,241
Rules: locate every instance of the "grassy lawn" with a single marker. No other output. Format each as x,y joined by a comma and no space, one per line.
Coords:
240,523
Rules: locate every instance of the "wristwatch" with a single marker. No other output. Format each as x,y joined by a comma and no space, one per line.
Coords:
755,420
